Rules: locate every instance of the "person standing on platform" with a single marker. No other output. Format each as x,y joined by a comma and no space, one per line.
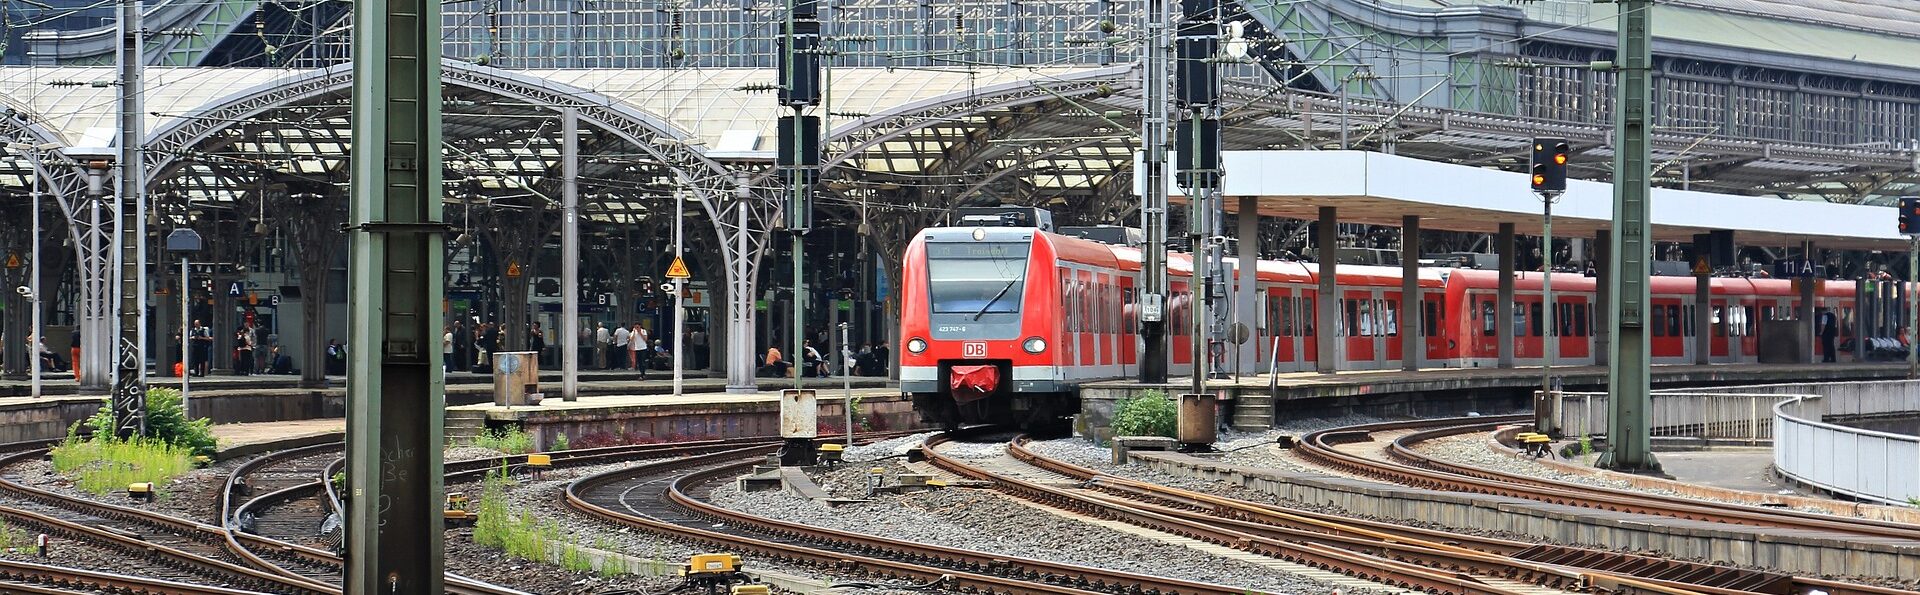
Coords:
882,358
601,340
638,356
617,356
537,343
446,349
462,346
1829,328
698,341
242,353
74,352
202,349
490,341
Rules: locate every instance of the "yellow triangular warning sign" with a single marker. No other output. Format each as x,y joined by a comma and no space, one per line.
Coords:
513,270
678,270
13,260
1700,267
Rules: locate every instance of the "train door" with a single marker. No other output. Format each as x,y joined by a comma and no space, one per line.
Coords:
1305,320
1688,323
1281,342
1433,325
1719,350
1570,320
1664,331
1392,345
1357,326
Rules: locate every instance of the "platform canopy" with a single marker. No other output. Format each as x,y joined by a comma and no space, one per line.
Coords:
1379,189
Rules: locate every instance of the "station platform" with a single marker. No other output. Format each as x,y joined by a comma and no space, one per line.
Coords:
239,440
1258,400
625,418
262,399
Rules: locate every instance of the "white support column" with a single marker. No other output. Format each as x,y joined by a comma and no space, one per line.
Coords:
569,255
1245,304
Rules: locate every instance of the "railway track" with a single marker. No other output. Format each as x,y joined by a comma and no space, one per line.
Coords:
1548,564
291,494
670,498
181,549
40,579
1412,468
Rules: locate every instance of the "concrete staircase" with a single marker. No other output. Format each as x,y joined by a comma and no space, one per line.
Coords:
1252,412
464,426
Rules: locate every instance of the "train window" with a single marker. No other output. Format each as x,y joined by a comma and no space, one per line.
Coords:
1430,323
1519,319
1308,318
1563,319
1486,319
976,278
1539,324
1392,317
1673,321
1659,322
1690,320
1719,321
1284,307
1580,320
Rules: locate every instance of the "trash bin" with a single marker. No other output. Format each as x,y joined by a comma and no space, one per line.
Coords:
516,378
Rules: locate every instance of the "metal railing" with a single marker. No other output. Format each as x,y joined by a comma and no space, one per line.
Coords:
1719,416
1866,464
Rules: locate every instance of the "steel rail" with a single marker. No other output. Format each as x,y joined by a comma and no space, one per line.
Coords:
578,497
64,580
1703,577
1359,563
1458,478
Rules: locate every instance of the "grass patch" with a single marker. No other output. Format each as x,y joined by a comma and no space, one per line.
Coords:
560,442
513,441
521,535
102,465
1150,414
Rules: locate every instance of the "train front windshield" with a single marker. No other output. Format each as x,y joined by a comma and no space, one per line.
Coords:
976,278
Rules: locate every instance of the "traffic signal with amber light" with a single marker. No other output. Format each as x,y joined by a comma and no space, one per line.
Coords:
1550,164
1909,215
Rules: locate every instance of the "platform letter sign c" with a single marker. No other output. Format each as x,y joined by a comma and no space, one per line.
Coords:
973,349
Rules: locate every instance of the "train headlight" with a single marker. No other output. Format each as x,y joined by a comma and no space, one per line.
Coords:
916,345
1034,345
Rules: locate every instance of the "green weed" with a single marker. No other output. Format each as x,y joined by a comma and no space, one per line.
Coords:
166,422
513,441
104,464
523,536
1150,414
560,442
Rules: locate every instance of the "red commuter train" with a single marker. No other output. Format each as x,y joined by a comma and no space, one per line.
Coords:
1002,324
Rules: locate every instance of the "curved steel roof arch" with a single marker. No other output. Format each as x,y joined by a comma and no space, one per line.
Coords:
868,132
170,141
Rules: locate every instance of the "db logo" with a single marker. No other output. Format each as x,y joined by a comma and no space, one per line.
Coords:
973,349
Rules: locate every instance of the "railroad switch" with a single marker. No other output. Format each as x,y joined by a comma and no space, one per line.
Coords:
1538,445
457,517
830,455
140,491
717,573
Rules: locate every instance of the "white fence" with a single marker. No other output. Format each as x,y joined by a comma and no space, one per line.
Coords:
1720,416
1861,463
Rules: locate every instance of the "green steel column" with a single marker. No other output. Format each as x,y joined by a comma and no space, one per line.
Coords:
1627,383
395,388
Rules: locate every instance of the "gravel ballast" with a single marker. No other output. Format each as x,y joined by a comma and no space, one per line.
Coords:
987,521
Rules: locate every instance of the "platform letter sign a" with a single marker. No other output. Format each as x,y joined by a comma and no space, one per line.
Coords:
234,289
